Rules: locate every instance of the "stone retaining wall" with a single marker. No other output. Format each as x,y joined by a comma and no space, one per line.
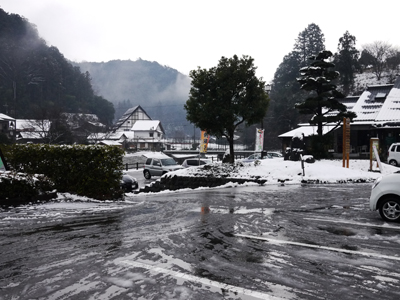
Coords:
181,182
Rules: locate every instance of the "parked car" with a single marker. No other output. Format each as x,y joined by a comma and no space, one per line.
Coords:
256,156
192,162
275,154
394,154
385,197
157,166
128,183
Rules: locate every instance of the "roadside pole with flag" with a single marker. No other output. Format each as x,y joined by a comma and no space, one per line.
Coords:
259,140
204,139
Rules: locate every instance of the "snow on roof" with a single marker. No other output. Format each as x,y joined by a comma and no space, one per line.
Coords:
4,117
390,110
366,107
110,143
379,103
129,134
307,131
119,135
145,125
153,154
128,114
31,135
32,125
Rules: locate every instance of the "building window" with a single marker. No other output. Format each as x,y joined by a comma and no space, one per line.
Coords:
151,134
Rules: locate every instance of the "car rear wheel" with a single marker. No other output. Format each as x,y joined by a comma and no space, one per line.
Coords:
147,174
393,162
390,209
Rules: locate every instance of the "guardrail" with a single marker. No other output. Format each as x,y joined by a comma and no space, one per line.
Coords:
133,166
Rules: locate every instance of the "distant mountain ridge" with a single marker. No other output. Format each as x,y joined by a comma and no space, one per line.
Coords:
160,90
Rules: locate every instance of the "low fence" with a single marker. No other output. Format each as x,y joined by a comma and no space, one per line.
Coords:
134,166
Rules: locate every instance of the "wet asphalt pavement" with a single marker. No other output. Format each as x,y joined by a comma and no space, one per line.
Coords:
255,242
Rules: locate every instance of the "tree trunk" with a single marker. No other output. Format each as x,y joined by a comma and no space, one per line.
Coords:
319,129
231,151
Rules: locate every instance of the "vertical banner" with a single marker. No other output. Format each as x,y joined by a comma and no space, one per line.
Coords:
3,166
374,152
204,139
259,140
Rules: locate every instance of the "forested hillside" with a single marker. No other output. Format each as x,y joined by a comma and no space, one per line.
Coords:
36,81
160,90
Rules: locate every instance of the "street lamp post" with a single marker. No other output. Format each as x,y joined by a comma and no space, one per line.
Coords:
267,90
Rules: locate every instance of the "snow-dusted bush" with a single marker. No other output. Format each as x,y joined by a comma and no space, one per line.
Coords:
21,187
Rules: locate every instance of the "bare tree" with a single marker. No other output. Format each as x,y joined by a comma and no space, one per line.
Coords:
377,53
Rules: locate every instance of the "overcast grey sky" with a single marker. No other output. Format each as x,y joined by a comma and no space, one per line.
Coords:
185,34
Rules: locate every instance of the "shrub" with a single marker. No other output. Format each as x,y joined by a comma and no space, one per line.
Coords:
22,186
91,171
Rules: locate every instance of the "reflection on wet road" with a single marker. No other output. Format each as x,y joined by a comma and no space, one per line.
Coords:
270,242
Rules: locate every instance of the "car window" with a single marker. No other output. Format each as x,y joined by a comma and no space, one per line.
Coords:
148,161
156,162
168,162
397,148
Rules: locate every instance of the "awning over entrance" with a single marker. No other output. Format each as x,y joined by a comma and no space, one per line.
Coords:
307,131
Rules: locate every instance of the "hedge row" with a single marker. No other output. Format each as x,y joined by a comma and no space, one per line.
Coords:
92,171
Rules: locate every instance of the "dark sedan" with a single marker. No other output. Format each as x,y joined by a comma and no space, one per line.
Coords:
129,183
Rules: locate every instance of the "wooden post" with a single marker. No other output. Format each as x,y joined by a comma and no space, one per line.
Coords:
346,141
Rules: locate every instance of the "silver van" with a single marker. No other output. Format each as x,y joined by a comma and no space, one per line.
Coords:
159,166
394,154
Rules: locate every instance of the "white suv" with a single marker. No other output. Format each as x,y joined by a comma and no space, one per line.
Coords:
394,154
192,162
385,197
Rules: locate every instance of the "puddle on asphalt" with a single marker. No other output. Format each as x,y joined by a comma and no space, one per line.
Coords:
338,230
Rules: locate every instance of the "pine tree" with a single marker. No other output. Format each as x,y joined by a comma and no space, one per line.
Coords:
285,92
282,115
309,42
323,101
346,61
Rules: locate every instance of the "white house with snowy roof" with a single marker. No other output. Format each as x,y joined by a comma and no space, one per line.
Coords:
378,116
30,130
7,126
135,130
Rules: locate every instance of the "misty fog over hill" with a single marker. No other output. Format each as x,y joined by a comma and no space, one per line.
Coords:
161,91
